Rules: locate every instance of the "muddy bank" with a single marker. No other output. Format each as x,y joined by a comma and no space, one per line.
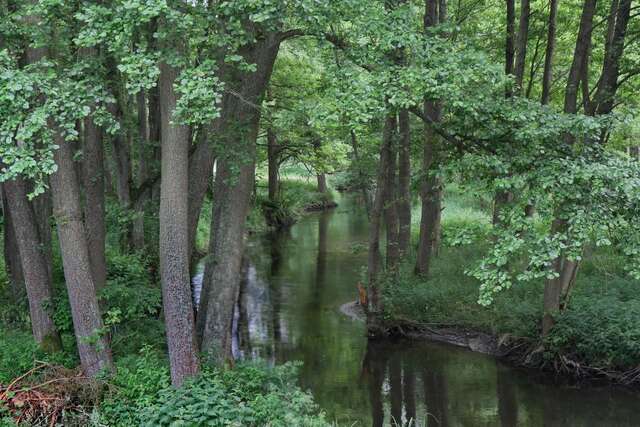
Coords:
517,352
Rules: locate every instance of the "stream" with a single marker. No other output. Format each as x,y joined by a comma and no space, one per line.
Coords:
289,310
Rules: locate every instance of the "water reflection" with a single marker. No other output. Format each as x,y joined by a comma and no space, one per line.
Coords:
288,310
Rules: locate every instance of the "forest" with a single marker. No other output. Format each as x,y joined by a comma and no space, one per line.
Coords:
320,212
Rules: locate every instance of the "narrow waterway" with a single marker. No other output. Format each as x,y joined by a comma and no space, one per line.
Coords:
289,310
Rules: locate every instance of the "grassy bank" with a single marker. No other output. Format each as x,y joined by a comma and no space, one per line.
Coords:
600,328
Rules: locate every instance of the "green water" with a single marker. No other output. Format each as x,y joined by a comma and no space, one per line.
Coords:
289,310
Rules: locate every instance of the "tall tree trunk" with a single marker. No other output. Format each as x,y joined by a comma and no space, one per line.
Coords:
374,262
608,84
510,37
200,180
557,290
503,197
523,39
174,238
273,160
362,178
404,184
564,268
430,186
12,262
322,182
547,77
390,206
232,193
44,212
34,265
93,345
94,207
137,237
581,51
121,145
431,195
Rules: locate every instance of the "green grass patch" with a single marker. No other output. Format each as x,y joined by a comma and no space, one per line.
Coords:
600,327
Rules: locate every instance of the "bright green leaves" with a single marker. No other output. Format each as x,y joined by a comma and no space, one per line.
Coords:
200,94
594,194
32,99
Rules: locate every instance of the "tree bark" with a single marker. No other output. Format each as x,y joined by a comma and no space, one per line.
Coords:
120,143
374,262
232,193
322,182
430,186
93,345
174,236
431,195
44,211
273,164
390,198
581,51
608,84
523,39
404,184
34,265
137,235
200,180
510,38
547,77
94,207
12,262
362,178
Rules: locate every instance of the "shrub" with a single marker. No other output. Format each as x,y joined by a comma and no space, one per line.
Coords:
601,331
249,395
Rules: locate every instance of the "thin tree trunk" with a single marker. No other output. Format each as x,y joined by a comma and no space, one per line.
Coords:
94,207
554,287
322,182
44,212
430,187
431,194
12,261
34,265
361,175
93,345
174,236
273,164
608,84
404,184
121,146
374,263
523,39
583,44
390,206
547,77
200,180
510,38
137,236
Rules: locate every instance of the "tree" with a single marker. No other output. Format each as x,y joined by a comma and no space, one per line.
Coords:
174,238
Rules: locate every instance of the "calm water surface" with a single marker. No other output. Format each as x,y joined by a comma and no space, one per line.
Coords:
289,310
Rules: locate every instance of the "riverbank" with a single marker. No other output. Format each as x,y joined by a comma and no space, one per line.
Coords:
297,197
596,337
